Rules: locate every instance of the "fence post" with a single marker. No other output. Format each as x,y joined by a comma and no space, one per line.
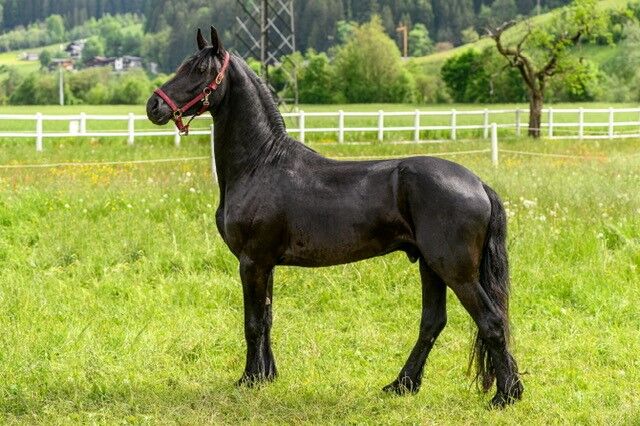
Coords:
380,126
518,122
214,171
486,123
39,134
494,144
550,123
454,134
83,123
132,129
416,126
301,124
341,126
176,137
611,122
581,123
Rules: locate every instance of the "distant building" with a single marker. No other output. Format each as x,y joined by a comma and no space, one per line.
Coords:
67,64
99,61
153,67
75,48
123,63
29,56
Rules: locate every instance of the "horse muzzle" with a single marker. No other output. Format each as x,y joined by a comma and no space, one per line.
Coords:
158,112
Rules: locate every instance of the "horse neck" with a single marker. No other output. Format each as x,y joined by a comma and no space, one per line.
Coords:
249,130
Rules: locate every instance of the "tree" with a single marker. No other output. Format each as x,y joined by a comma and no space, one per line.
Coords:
317,82
370,68
470,35
419,42
55,27
92,48
542,53
45,58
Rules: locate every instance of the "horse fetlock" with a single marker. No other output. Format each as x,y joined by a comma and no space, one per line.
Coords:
403,386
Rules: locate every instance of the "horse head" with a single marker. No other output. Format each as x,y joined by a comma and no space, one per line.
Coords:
197,86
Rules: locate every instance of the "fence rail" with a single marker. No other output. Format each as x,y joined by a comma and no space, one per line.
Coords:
418,122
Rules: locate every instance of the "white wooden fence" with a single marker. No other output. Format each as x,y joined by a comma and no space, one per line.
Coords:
581,128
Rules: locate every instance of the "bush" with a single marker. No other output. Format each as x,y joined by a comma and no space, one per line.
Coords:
369,67
132,88
317,80
482,77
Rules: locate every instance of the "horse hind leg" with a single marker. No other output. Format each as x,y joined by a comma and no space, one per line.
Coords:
434,319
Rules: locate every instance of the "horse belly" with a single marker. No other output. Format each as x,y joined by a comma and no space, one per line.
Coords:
333,239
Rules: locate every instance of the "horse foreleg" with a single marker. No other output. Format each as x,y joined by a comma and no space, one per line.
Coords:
257,287
434,318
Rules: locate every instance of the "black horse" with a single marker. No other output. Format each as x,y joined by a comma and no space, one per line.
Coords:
281,203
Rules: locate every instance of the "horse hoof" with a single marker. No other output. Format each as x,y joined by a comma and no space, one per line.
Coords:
404,387
254,380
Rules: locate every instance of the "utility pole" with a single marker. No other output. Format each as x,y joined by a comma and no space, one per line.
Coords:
264,38
538,8
266,31
61,85
405,39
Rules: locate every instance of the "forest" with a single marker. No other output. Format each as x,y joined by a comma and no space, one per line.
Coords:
317,21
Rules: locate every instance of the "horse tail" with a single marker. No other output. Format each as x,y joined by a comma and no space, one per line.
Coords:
494,279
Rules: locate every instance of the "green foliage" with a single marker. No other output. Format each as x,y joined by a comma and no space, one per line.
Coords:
39,89
419,42
370,68
580,84
317,82
154,48
55,27
45,58
92,48
345,30
470,35
461,74
131,88
482,77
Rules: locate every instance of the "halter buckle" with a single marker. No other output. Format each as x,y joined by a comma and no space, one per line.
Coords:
207,92
219,78
177,114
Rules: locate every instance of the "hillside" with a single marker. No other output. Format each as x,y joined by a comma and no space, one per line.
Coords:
598,54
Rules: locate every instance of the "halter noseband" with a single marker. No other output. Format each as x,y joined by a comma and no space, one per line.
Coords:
203,96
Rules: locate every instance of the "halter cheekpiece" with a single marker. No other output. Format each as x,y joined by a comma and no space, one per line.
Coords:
203,96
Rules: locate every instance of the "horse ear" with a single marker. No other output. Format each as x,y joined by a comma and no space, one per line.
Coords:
202,43
215,41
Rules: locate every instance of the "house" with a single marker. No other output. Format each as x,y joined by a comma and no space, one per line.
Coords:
67,64
127,63
123,63
99,61
29,56
75,48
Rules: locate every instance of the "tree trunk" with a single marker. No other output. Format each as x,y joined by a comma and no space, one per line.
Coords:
535,113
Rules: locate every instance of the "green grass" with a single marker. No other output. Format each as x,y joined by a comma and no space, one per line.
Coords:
119,303
12,58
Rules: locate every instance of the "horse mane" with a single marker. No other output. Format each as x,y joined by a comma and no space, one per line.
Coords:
282,142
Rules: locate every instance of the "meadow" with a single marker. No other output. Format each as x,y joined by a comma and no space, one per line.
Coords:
119,303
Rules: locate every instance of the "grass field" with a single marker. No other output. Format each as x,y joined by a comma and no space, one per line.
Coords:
119,303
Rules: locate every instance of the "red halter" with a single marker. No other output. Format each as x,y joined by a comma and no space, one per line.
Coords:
203,96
